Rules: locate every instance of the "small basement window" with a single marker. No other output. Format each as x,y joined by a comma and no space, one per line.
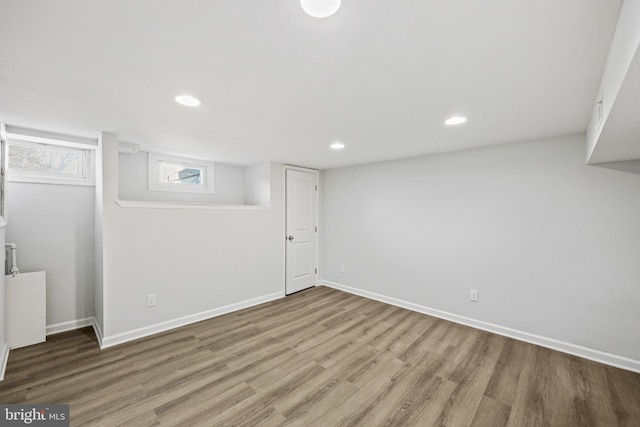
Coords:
180,174
51,162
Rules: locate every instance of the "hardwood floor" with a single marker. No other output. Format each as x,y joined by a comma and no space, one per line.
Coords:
321,358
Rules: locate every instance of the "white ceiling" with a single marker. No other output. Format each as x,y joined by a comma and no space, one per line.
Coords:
278,85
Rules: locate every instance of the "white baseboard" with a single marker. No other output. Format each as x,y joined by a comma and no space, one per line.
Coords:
565,347
110,341
4,358
56,328
97,330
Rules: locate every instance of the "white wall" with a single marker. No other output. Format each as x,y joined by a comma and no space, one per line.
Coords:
257,184
4,350
552,245
53,226
98,302
193,260
133,177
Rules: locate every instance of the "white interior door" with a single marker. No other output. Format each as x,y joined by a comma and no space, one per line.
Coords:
301,229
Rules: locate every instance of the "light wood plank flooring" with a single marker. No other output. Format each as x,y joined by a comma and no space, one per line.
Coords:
321,358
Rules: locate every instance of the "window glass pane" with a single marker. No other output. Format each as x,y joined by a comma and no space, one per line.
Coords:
48,159
180,174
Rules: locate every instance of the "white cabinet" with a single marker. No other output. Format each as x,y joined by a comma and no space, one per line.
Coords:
26,319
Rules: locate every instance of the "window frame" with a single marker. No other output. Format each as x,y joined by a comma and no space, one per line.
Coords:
155,161
86,153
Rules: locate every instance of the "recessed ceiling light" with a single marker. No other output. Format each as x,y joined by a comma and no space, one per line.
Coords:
187,100
455,120
320,8
337,146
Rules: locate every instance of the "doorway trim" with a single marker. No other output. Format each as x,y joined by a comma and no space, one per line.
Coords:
316,172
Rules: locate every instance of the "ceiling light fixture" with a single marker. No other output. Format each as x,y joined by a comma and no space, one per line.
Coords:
187,100
337,146
320,8
455,120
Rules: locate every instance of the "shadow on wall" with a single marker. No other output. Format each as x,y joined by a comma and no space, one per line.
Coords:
631,166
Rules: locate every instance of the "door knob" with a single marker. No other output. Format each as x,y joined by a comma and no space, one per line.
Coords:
290,238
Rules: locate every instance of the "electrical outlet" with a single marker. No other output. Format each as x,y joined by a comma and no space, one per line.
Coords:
343,268
151,300
474,295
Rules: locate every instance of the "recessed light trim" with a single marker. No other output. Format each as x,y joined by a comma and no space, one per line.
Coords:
320,8
455,120
337,146
187,100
